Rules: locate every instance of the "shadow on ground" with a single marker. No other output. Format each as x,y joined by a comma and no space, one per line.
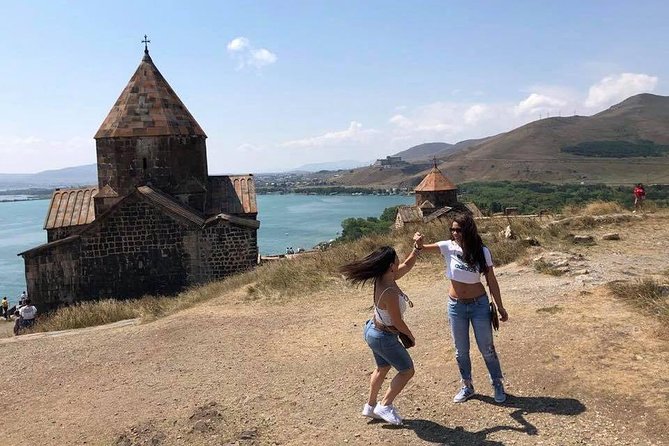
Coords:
433,432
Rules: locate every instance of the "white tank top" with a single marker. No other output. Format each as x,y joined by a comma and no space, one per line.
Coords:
382,315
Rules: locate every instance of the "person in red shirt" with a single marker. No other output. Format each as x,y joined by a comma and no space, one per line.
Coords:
639,196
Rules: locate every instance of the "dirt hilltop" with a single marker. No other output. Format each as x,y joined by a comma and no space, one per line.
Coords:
581,367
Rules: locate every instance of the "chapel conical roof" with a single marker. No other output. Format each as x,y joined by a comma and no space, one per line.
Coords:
435,181
148,107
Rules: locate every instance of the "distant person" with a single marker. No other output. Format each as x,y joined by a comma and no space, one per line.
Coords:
28,313
17,323
22,299
639,196
381,332
5,308
466,258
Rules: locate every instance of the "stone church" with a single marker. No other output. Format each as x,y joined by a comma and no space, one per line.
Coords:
436,198
156,222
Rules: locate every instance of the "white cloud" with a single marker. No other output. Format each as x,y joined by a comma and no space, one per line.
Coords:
355,133
241,49
537,103
475,114
615,88
248,148
439,121
260,58
238,44
401,121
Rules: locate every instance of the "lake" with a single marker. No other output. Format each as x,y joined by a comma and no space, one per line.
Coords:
297,221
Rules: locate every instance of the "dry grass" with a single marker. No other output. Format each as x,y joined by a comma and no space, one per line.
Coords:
650,207
594,208
303,275
106,311
551,310
545,268
647,294
603,208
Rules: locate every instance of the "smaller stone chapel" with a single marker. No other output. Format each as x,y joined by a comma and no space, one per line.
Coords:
436,198
156,222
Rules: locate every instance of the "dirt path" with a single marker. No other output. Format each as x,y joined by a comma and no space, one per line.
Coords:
582,368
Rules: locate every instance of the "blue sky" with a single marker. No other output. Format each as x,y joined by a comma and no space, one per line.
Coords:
278,84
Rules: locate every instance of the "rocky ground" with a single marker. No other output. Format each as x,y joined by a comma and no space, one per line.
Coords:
581,366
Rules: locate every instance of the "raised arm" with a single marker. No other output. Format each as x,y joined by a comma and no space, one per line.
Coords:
410,261
418,243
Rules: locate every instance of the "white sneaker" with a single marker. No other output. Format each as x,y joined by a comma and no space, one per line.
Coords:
368,411
388,414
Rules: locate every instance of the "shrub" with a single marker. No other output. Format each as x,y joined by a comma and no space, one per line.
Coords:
354,228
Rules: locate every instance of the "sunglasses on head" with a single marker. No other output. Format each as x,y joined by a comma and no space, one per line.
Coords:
458,230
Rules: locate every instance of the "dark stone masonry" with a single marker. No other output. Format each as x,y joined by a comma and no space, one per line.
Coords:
156,223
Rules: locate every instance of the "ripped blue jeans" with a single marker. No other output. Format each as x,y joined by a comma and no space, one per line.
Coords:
477,313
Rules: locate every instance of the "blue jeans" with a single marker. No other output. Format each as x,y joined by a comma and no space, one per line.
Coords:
478,313
387,348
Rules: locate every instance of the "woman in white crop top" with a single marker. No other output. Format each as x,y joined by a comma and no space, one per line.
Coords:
466,259
383,267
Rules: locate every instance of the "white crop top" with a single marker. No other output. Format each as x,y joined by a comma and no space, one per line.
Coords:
456,268
383,316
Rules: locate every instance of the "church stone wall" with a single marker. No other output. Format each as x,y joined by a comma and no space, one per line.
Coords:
137,250
438,198
60,233
227,249
53,275
177,165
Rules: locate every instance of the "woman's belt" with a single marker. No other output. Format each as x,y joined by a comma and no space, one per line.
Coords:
471,300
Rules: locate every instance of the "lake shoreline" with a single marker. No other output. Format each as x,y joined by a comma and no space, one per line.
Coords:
286,221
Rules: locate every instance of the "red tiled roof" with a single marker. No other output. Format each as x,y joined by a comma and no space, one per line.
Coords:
435,181
71,207
148,107
245,189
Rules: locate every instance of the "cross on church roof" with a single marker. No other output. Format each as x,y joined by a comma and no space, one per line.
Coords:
146,44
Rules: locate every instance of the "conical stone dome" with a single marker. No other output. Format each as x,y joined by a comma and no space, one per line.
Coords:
435,181
148,107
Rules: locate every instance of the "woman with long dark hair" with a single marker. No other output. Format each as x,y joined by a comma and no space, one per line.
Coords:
466,258
383,268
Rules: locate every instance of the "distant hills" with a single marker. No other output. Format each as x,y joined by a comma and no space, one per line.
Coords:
440,150
69,176
334,165
626,143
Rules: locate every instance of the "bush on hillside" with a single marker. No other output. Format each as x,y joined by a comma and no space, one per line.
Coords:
533,197
354,228
617,149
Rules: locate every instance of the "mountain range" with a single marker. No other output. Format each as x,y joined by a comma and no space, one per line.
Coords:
69,176
627,143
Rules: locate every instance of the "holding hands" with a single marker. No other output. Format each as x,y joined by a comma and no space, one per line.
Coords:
418,241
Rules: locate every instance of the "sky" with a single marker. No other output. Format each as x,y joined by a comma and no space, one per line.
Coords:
279,84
